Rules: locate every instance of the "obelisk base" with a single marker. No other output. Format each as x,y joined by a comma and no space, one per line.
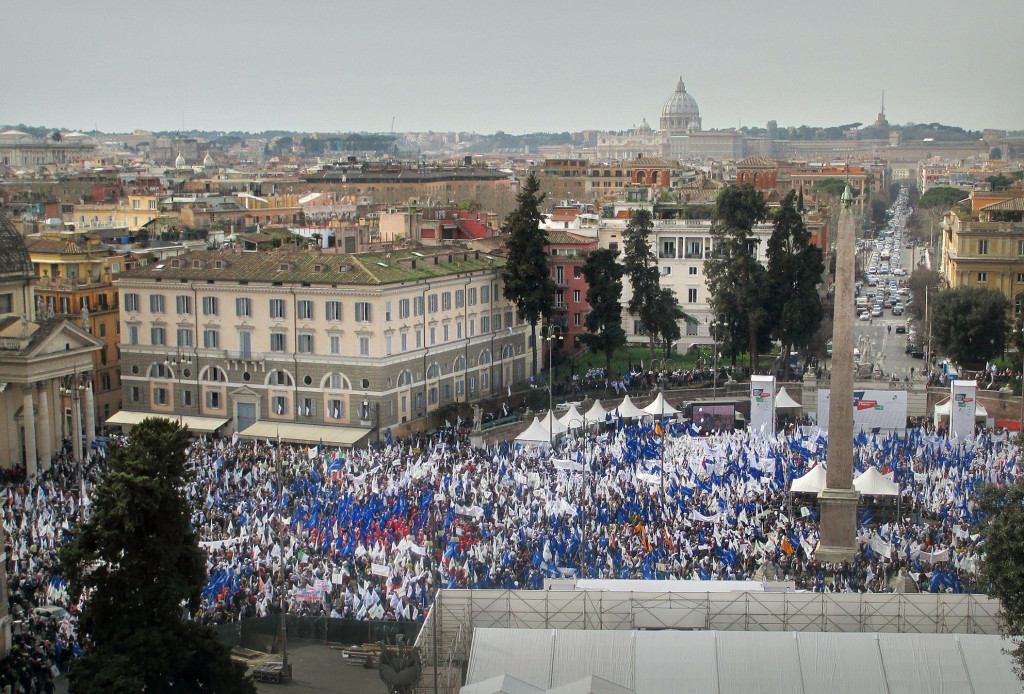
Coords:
838,525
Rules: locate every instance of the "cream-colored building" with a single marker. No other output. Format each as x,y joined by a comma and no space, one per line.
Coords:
985,254
317,346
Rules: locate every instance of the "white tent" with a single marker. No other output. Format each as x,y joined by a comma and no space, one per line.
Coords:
596,413
874,483
811,483
571,419
627,410
550,423
942,411
783,401
660,406
535,433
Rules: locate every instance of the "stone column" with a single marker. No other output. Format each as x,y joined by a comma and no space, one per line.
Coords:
839,499
28,415
76,423
90,420
45,436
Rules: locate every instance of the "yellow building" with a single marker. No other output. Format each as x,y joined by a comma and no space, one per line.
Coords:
132,213
984,254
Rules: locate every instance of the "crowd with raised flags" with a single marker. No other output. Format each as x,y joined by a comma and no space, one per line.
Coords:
371,534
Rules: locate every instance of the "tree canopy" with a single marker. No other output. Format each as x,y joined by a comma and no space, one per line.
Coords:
1002,566
642,267
604,293
139,560
969,324
942,197
526,276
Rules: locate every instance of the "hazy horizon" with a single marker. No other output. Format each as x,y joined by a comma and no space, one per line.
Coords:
530,67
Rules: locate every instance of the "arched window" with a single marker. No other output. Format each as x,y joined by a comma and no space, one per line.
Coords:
433,371
214,374
336,381
460,363
507,352
160,371
279,378
405,378
485,357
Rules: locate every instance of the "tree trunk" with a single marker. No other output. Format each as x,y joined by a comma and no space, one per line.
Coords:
533,333
650,345
754,356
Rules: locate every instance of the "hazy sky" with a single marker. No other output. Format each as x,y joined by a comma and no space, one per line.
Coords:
519,66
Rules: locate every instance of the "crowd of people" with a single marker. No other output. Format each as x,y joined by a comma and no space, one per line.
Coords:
372,534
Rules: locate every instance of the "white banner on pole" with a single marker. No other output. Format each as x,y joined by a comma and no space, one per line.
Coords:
762,404
963,406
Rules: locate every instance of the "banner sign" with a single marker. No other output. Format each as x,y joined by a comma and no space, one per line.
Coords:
963,406
762,404
873,410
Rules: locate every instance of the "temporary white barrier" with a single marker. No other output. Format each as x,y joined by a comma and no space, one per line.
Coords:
873,410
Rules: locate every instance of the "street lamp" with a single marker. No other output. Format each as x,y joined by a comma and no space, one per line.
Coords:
550,337
714,371
178,362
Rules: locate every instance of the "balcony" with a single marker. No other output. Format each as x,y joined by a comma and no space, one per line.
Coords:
561,306
243,355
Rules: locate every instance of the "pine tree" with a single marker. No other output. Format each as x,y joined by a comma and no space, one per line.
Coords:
604,292
526,276
139,560
642,267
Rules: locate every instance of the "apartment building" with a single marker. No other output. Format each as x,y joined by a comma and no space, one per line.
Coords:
986,253
315,346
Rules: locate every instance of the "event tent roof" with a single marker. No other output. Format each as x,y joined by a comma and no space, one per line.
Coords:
811,483
535,433
571,419
596,413
734,662
874,483
942,409
344,437
783,401
627,410
549,422
197,425
660,407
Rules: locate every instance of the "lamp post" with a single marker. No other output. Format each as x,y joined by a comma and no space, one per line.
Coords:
550,337
178,362
714,370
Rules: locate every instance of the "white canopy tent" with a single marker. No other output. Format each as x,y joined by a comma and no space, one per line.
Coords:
783,401
553,425
874,483
943,409
535,433
811,483
596,413
660,407
627,410
571,419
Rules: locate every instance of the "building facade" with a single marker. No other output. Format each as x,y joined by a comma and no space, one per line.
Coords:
298,337
984,254
567,252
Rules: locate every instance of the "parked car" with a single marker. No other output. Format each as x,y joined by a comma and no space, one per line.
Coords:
901,329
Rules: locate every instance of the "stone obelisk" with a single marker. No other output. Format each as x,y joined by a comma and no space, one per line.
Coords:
839,499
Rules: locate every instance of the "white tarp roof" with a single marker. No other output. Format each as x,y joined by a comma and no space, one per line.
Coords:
738,662
874,483
811,483
502,684
596,413
556,427
197,425
627,410
660,406
341,436
535,433
571,419
942,409
783,401
668,586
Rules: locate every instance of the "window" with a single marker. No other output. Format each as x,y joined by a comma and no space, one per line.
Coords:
693,269
472,327
159,396
1020,276
444,333
387,345
277,342
334,382
362,312
403,308
691,295
156,303
560,298
485,381
184,337
433,371
209,306
691,328
157,336
433,335
133,334
576,295
447,392
665,270
446,301
471,297
460,298
211,339
485,294
186,398
334,310
983,277
577,272
364,346
304,309
419,339
459,388
387,311
404,340
458,330
1020,247
307,407
135,394
497,322
213,399
131,301
485,324
668,249
183,303
432,303
216,375
982,246
279,403
432,397
277,309
335,344
417,306
576,319
243,307
305,344
280,378
336,408
508,320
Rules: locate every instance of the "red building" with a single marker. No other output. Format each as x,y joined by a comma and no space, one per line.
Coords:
567,252
760,172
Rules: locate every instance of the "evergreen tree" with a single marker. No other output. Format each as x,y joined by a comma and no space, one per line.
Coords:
604,292
526,276
1002,566
735,278
139,560
795,269
641,265
669,316
970,324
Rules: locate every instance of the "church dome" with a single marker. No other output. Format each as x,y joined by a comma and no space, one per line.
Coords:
680,111
14,257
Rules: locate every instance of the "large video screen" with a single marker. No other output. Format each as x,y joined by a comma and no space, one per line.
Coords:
714,417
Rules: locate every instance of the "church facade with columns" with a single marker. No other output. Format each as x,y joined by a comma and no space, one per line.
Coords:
46,366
